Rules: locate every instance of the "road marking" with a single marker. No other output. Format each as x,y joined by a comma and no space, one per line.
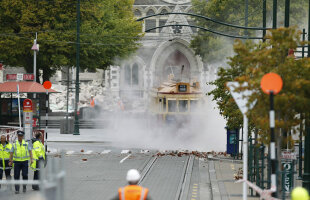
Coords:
88,152
106,152
124,158
69,152
125,151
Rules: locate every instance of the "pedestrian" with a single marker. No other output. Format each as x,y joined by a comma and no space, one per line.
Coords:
300,193
20,154
38,153
133,191
5,149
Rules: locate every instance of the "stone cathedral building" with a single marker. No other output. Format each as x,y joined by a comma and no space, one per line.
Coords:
164,51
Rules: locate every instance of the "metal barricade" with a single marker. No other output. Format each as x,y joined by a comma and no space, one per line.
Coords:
52,180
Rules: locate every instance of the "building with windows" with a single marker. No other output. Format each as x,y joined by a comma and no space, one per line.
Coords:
164,51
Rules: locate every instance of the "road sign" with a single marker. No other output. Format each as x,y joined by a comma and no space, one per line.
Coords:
288,155
240,97
27,105
47,85
271,82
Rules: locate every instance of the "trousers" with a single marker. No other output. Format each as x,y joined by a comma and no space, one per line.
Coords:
36,174
20,166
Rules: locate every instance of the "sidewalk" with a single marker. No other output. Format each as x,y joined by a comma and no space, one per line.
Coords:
86,136
223,184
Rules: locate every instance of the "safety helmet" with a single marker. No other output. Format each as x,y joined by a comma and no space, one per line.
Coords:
300,193
133,175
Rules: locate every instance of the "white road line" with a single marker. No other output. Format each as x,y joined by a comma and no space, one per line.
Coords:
125,151
69,152
89,152
106,152
124,158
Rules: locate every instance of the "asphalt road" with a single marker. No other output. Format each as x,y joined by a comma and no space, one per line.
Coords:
105,169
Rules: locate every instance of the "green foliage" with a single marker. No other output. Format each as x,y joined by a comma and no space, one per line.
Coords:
250,63
108,31
213,48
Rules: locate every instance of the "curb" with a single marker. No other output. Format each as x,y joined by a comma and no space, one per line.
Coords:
71,141
225,160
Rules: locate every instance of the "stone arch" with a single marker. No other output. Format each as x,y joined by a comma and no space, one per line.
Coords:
164,8
138,12
150,10
165,49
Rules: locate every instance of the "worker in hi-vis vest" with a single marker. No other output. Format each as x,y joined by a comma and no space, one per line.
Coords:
20,154
38,153
133,191
92,101
5,149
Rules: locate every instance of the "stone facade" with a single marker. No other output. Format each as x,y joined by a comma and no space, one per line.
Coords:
164,51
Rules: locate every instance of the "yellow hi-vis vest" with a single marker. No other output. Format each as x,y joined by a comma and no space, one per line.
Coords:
5,154
38,152
20,152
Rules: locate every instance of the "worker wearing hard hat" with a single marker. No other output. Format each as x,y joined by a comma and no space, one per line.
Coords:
92,101
300,193
133,191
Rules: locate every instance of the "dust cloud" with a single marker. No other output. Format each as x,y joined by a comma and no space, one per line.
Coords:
203,130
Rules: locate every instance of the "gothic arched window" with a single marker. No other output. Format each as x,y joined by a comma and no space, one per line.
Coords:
150,23
128,75
135,74
137,12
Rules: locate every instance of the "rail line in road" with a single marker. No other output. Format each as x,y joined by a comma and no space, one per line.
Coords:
153,173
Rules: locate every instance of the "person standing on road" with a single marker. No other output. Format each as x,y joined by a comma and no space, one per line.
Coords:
38,153
21,154
133,191
5,149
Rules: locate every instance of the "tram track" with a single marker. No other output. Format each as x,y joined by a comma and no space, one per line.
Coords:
156,163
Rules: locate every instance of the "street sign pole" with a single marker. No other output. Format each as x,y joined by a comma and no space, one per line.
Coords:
19,115
245,156
271,84
47,85
272,142
241,98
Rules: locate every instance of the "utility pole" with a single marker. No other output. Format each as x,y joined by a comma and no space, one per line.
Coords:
306,175
264,17
246,16
77,80
287,13
274,18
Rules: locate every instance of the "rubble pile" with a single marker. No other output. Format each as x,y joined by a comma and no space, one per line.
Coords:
239,174
182,153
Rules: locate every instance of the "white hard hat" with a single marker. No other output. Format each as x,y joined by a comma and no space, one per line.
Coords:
133,175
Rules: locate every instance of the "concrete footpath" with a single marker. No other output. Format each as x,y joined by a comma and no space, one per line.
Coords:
222,180
86,136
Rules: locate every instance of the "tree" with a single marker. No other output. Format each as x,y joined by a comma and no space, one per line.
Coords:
108,31
250,63
213,48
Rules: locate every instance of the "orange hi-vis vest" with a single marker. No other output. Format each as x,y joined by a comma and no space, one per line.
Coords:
133,192
92,103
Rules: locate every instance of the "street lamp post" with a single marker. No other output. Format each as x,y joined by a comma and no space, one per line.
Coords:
306,175
77,80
